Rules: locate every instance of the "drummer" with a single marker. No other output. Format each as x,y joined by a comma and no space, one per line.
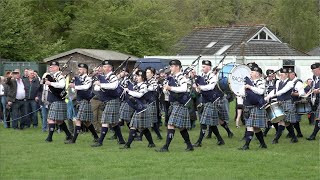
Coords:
271,80
283,92
297,93
255,117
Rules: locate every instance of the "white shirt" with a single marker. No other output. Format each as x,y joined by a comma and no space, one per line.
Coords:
60,80
285,89
299,87
21,93
212,81
113,83
182,83
1,90
142,90
87,82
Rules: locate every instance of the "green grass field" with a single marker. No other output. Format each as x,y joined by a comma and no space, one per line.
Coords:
25,155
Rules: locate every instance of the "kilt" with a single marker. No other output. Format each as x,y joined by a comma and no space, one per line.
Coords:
126,111
257,118
152,112
57,111
85,112
179,116
140,120
222,106
209,116
110,114
290,110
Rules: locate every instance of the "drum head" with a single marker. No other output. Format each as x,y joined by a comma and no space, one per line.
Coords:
236,78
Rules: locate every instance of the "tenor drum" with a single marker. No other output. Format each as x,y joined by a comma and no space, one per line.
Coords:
231,77
275,112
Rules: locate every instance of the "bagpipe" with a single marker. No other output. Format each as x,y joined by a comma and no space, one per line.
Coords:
251,97
84,94
182,98
207,96
194,64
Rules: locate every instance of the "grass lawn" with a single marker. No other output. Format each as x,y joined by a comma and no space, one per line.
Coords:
25,155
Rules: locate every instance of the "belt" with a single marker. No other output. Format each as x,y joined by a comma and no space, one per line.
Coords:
20,99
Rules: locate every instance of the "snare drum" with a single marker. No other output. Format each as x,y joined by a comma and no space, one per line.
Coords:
275,112
303,107
231,77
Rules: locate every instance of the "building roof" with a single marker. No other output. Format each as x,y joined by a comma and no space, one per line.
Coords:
315,51
95,53
255,40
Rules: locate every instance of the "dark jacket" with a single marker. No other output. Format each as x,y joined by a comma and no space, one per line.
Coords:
32,88
11,90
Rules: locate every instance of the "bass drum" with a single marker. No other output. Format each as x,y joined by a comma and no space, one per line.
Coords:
231,78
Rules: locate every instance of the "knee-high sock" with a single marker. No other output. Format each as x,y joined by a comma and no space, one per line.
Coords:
156,129
275,125
279,132
104,131
93,131
316,128
249,136
185,135
148,135
297,127
132,134
76,133
259,136
226,127
291,130
215,131
203,129
64,127
51,131
117,131
170,135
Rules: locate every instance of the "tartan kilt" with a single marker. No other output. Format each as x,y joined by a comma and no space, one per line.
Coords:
257,118
57,111
125,111
110,114
85,111
221,105
290,110
209,116
317,113
140,120
179,116
152,112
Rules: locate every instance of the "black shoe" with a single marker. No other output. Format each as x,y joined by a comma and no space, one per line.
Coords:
230,135
299,135
163,149
311,138
189,148
275,141
263,146
69,142
96,145
294,140
95,140
69,137
197,144
125,147
151,145
121,142
159,137
48,140
244,148
220,142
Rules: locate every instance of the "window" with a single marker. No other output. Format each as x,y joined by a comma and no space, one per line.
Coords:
211,44
222,50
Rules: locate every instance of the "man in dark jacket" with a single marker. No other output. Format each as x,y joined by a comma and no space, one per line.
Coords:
32,89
